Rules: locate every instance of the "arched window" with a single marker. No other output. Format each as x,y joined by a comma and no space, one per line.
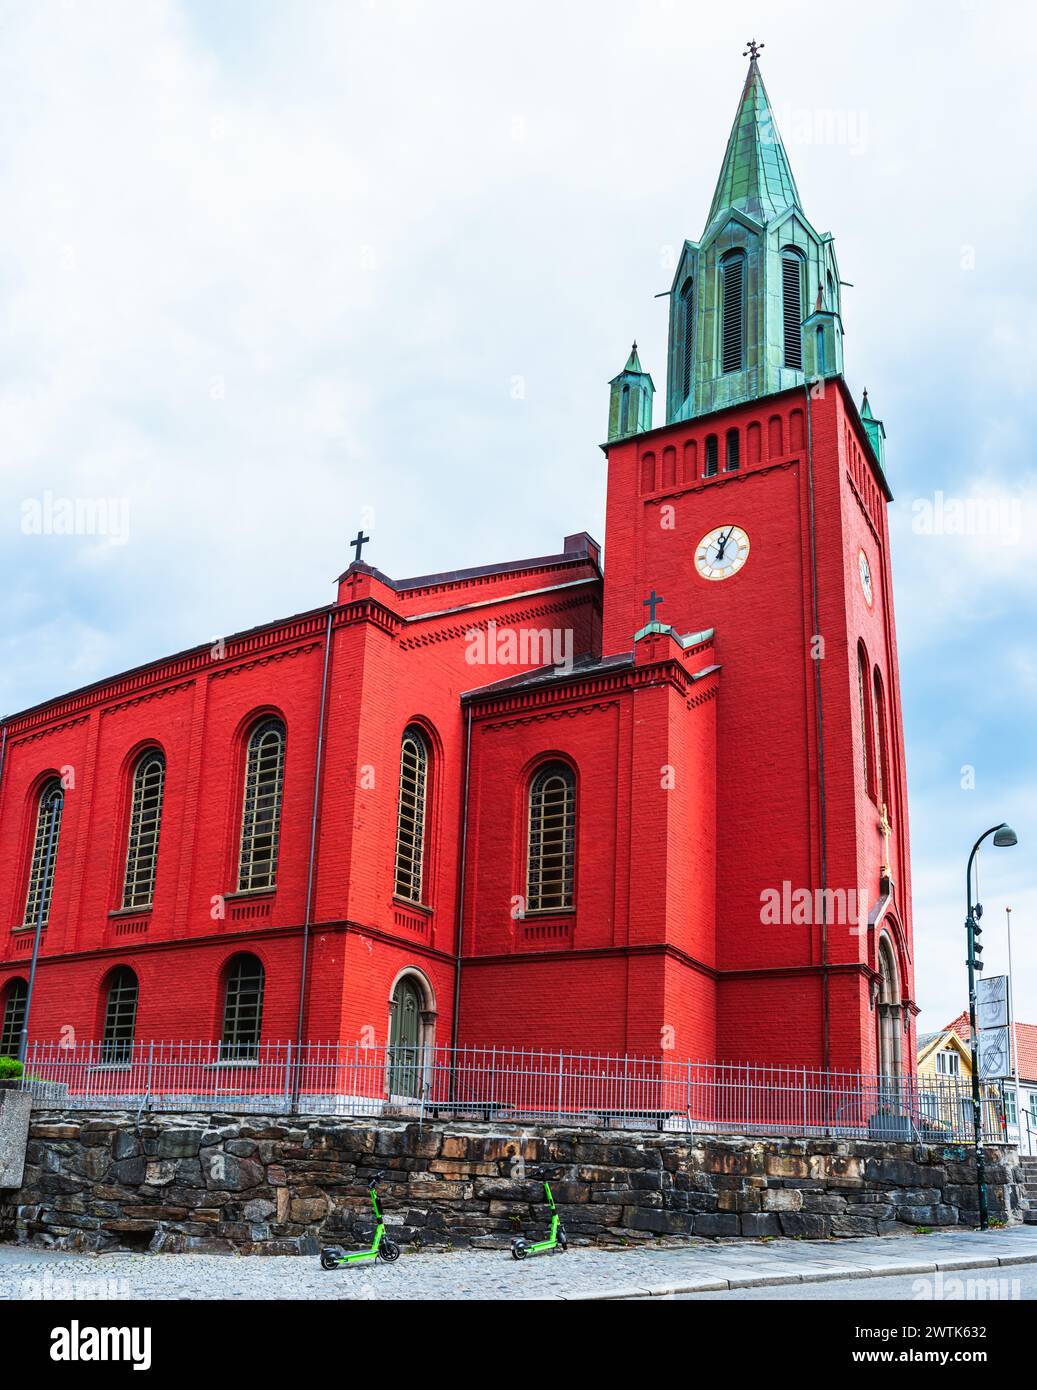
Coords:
820,338
261,807
731,455
120,1016
862,700
732,285
712,457
552,840
889,1012
149,778
13,1020
792,306
410,816
687,337
242,1009
44,853
879,721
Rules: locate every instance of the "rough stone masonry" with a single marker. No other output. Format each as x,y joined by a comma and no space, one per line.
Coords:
285,1185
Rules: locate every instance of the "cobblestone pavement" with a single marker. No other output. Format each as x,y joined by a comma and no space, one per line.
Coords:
29,1272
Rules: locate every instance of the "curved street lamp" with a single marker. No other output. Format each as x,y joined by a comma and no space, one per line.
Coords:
1004,838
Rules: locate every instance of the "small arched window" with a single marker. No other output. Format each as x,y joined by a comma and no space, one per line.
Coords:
712,457
687,337
731,453
243,1009
149,778
732,285
261,807
411,815
13,1020
792,306
552,840
120,1016
44,853
624,410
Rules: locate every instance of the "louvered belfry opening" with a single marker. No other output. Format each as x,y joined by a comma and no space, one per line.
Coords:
120,1016
710,469
552,840
733,326
261,809
792,308
145,821
41,869
410,820
687,337
732,457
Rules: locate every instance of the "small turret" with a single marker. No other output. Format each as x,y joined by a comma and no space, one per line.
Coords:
630,400
875,431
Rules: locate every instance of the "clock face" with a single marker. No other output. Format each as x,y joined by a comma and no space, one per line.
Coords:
722,552
865,573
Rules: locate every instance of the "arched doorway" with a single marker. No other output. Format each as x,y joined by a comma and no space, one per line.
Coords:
410,1029
890,1030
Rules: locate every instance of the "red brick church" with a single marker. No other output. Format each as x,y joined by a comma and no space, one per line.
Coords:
655,806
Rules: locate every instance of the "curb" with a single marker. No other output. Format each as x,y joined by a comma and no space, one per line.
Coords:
758,1281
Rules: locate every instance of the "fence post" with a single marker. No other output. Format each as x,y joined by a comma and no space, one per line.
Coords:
288,1078
151,1063
804,1102
561,1056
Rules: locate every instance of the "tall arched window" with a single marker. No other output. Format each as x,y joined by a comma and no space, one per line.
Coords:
410,816
261,807
792,306
889,1011
732,287
686,337
862,701
552,840
879,721
149,778
242,1009
120,1015
13,1019
44,852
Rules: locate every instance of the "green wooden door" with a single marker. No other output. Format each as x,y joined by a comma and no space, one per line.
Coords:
405,1041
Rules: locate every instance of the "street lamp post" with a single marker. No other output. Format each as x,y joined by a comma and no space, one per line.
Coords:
1004,836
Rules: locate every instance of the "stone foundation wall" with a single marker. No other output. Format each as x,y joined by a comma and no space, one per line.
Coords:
277,1185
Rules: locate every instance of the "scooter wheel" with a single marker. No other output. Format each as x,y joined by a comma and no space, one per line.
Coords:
563,1241
519,1249
388,1252
329,1259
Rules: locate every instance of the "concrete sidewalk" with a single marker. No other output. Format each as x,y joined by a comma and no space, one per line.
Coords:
780,1263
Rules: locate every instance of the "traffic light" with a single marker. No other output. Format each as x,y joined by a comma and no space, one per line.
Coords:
977,947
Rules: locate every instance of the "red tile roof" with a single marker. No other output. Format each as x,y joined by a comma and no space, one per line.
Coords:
1026,1033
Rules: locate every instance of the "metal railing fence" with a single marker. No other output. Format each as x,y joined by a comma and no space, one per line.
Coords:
507,1084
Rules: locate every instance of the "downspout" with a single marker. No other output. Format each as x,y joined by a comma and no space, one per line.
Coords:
308,917
825,1047
460,898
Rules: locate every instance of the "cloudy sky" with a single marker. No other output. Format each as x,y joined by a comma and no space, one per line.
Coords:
268,269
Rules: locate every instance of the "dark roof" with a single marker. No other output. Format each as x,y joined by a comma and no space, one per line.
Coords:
424,581
553,675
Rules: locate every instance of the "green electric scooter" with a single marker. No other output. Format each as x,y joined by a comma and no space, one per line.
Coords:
556,1240
334,1257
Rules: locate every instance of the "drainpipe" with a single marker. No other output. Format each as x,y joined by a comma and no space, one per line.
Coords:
317,769
460,898
823,844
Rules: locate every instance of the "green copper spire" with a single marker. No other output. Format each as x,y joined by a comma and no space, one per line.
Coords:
742,319
755,177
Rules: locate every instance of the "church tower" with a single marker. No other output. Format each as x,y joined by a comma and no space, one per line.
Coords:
741,293
756,519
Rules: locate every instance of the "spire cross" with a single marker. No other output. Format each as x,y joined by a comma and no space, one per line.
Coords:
652,602
753,51
359,543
